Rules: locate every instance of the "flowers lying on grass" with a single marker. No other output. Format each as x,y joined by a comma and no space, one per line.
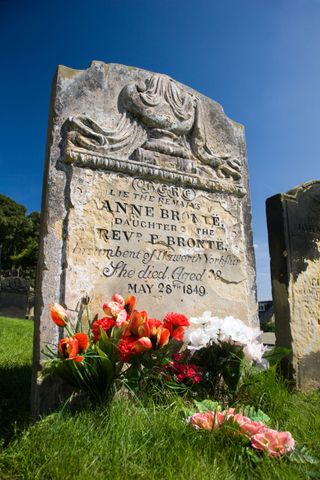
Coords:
273,442
261,437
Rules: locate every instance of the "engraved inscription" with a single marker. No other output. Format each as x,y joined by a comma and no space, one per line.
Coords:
160,240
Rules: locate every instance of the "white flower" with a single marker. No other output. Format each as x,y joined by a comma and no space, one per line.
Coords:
196,338
254,351
207,329
214,328
195,321
236,331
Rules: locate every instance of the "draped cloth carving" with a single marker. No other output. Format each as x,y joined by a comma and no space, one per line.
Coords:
159,122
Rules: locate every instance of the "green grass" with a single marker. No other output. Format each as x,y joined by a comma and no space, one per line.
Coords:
146,440
15,373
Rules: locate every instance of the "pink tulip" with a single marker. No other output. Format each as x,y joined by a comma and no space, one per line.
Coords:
112,309
274,442
118,299
121,318
241,419
202,421
219,418
252,428
228,413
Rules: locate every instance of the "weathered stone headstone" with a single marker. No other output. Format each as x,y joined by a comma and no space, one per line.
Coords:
294,243
14,294
145,193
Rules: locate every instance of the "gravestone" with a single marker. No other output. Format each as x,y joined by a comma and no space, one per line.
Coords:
14,295
294,243
145,193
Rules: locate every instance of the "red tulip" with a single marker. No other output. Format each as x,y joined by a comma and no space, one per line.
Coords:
78,358
58,314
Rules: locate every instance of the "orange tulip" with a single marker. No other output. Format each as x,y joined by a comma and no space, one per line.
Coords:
83,341
78,358
139,324
68,348
129,304
58,314
163,336
154,324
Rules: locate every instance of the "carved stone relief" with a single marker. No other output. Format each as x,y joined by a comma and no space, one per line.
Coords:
159,124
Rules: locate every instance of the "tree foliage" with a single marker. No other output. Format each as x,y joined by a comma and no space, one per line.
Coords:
19,238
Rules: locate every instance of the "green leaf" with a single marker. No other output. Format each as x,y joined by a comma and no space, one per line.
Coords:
256,415
109,345
311,474
207,405
276,354
105,362
302,455
231,372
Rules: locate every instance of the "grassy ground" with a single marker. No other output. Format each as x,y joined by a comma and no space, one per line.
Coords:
144,439
15,373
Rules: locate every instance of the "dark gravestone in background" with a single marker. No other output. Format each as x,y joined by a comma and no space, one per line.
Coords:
294,244
14,292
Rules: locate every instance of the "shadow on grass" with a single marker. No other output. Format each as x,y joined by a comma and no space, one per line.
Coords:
15,384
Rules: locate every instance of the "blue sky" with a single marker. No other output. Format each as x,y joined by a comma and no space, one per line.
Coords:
259,58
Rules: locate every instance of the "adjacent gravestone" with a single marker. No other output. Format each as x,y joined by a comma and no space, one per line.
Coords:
145,193
14,295
294,243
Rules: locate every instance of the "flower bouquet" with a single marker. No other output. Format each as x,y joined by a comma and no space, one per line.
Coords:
123,346
221,347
